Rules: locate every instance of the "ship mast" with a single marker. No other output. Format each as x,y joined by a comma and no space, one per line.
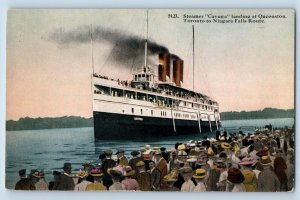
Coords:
92,51
193,58
146,42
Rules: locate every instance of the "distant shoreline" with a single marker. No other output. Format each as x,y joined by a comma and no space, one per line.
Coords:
28,123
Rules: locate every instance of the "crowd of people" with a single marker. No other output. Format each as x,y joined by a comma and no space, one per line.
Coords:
262,161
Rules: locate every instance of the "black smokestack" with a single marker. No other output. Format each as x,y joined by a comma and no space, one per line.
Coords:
126,48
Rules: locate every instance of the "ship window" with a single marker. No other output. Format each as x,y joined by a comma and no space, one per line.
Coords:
141,111
152,112
116,92
141,96
132,110
129,94
103,89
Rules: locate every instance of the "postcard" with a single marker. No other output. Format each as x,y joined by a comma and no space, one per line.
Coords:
181,100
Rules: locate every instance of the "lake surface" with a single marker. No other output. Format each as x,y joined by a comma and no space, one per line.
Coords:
49,149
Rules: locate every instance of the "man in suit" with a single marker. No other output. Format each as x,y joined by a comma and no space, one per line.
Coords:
155,176
107,163
205,142
162,167
122,160
24,183
164,154
143,177
66,181
134,160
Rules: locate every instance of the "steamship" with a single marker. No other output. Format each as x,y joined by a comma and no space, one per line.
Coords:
152,104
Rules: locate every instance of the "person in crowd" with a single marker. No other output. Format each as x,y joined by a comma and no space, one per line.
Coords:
250,181
217,167
129,182
236,178
170,179
267,179
82,182
97,185
164,154
54,184
143,177
107,163
66,181
41,184
199,176
24,183
188,185
122,160
280,170
162,166
116,177
134,160
155,176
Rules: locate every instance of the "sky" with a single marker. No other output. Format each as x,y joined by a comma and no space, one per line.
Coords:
243,66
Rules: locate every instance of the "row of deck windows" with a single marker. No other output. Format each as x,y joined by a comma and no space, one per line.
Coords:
160,101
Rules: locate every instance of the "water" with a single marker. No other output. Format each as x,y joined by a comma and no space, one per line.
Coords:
50,149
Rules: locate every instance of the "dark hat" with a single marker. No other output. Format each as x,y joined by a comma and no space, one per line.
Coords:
235,175
205,137
102,156
67,166
120,151
135,153
162,148
87,164
115,173
22,172
56,173
108,152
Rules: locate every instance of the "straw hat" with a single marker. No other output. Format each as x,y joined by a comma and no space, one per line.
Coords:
199,173
181,147
170,177
191,160
81,173
225,145
155,149
140,164
185,170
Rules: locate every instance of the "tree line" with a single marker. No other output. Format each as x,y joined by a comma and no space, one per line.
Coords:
28,123
258,114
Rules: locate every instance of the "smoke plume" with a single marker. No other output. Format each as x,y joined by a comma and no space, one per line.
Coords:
126,48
